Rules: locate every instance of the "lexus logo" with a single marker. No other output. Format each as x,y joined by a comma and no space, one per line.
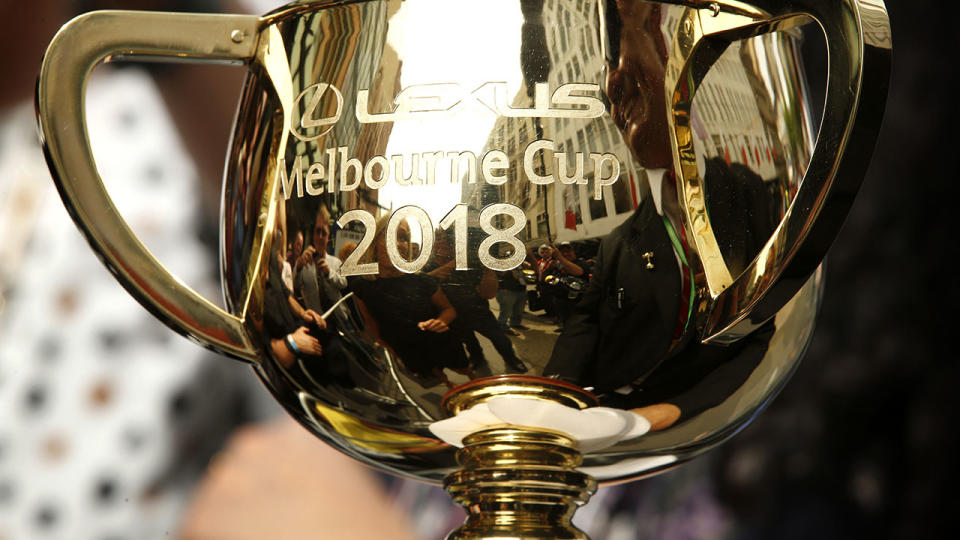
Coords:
311,117
443,100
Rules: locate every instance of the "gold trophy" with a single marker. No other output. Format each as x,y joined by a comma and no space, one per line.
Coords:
640,187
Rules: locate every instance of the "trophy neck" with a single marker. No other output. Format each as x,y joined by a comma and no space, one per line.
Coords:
518,482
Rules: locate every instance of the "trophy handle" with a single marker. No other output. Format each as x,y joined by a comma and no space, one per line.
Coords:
77,48
858,45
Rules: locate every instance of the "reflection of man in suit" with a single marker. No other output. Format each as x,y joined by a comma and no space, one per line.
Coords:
631,336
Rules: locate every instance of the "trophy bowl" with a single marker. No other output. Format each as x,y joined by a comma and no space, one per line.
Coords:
516,246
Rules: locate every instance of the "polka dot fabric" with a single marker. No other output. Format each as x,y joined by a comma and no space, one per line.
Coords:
106,416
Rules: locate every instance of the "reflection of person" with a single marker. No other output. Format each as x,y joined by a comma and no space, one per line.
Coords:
635,80
470,292
631,332
319,284
544,260
287,275
318,272
623,334
512,296
293,253
296,249
695,379
287,328
409,312
624,325
739,192
543,263
566,263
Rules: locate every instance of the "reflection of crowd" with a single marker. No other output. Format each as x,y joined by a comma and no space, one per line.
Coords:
285,320
304,315
428,320
512,298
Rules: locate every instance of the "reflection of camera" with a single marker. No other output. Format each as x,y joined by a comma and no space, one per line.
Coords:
574,285
571,285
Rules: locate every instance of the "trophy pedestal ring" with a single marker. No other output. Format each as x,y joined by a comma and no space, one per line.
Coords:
518,482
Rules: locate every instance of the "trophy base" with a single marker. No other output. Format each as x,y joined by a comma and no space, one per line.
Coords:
517,482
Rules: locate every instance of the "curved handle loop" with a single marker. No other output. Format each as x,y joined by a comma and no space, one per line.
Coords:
858,45
76,49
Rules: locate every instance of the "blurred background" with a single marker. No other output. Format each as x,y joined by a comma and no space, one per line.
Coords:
109,423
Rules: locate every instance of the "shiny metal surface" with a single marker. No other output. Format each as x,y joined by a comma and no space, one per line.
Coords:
517,483
454,144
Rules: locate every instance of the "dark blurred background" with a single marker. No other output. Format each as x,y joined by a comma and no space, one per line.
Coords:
862,443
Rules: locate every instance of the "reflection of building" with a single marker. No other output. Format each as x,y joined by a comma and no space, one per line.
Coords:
735,117
727,120
558,211
372,138
351,55
734,114
511,135
371,141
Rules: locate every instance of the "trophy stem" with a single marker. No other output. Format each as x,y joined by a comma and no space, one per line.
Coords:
519,483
